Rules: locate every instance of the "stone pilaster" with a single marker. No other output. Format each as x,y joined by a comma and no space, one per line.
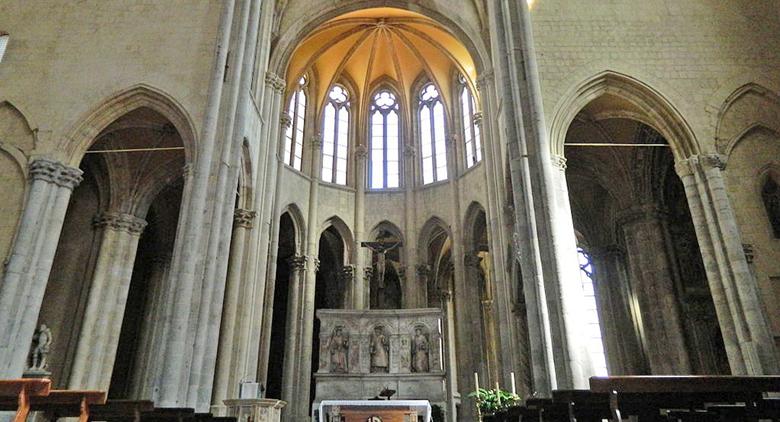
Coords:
746,335
99,336
24,282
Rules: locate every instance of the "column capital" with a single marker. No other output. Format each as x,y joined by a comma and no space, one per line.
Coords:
127,223
750,254
478,118
186,170
368,272
51,171
483,79
347,273
297,262
315,262
316,142
487,304
445,295
244,218
285,120
423,270
559,162
409,151
361,152
274,81
688,166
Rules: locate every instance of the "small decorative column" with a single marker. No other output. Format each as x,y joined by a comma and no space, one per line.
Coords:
620,318
652,280
228,373
99,336
359,291
746,335
297,272
24,282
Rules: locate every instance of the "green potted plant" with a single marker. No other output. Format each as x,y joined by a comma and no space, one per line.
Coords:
492,402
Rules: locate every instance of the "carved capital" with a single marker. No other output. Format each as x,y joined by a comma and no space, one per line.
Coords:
478,118
709,161
705,162
747,248
186,170
127,223
409,151
361,152
274,81
51,171
316,142
347,273
484,79
445,295
285,120
244,218
297,262
423,270
487,305
316,262
368,272
559,162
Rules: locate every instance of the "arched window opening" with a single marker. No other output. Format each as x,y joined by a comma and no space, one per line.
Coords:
335,136
293,139
384,170
591,317
471,135
432,135
771,196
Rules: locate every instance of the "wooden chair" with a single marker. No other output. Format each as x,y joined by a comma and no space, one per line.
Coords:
15,395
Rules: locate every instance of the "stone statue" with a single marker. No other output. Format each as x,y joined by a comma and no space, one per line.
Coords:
380,351
337,345
420,346
40,352
380,248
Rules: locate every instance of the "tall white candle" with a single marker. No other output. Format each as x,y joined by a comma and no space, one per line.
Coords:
514,389
476,381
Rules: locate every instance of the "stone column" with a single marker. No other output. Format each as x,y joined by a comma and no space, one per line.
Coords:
618,313
300,411
652,280
360,290
297,273
450,359
151,329
24,281
413,295
228,374
746,335
99,336
423,273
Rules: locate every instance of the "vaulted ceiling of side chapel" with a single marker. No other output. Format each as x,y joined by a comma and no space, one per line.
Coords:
366,47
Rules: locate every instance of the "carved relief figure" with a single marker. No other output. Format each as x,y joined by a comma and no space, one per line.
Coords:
42,345
420,347
380,351
337,345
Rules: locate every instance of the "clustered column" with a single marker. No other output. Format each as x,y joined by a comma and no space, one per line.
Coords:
105,310
746,336
24,282
292,340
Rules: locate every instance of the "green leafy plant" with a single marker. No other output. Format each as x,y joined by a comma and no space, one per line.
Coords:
492,401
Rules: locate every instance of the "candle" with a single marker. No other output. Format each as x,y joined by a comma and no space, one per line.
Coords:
512,377
476,381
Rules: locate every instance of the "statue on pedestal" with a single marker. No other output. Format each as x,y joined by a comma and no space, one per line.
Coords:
337,345
420,347
39,366
380,351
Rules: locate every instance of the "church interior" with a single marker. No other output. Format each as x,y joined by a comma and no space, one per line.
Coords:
390,210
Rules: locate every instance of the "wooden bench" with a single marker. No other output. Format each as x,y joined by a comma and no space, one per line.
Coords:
646,396
15,395
67,403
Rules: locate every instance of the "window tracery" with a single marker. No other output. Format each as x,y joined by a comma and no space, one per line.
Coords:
335,136
471,133
293,139
432,135
385,159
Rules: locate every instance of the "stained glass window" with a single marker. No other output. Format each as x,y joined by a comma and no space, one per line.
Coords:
335,136
432,135
293,139
385,159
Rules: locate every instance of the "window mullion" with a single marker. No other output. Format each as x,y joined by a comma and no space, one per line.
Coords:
433,142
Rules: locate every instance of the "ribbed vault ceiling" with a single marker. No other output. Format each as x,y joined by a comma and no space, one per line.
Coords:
369,46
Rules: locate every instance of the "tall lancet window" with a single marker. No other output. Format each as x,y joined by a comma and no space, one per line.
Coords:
471,136
432,135
335,136
771,196
591,316
384,170
293,139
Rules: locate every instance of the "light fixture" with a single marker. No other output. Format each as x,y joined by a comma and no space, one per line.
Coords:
3,43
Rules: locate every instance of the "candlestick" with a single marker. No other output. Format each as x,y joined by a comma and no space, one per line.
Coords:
512,377
476,381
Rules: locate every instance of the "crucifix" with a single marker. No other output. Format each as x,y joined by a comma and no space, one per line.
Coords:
380,247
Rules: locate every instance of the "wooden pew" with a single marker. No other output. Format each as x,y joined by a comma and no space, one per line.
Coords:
121,410
15,395
67,403
584,405
646,396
